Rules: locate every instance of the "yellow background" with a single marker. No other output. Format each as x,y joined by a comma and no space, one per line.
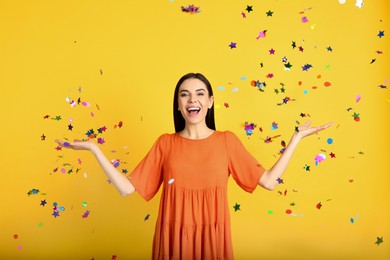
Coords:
125,57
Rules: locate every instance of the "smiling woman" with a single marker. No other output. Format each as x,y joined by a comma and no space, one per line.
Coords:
193,166
203,90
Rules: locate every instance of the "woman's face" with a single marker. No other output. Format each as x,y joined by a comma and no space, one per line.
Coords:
194,101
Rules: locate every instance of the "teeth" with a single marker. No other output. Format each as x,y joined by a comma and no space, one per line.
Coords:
194,109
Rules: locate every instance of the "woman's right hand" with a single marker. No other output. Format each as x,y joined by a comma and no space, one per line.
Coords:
77,144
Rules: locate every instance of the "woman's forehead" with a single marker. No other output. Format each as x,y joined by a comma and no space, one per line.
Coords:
192,84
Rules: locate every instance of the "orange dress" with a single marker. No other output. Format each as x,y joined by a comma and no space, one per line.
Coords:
193,220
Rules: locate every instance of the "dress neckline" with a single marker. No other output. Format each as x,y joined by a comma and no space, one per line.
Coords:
200,139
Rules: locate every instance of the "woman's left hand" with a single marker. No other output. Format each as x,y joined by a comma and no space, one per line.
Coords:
306,130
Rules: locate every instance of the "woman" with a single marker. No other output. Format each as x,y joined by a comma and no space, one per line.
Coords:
193,166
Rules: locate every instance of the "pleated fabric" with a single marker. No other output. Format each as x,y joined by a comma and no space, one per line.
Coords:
193,220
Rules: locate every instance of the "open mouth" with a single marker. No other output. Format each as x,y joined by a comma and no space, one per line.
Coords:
193,111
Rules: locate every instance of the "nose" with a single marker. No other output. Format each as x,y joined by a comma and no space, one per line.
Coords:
192,98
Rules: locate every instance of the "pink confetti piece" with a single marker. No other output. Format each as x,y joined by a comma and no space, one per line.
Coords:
358,97
86,104
304,19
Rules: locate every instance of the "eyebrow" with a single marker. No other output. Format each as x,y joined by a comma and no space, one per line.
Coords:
200,89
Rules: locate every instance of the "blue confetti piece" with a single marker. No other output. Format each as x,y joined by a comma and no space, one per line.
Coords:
221,88
243,78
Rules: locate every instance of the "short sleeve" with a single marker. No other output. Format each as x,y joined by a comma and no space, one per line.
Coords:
243,167
148,175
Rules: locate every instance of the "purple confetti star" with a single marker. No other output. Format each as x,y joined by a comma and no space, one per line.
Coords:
232,45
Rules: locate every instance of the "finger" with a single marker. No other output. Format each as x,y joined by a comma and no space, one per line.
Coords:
63,144
323,127
307,123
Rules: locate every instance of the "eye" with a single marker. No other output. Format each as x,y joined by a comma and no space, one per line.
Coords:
200,93
183,94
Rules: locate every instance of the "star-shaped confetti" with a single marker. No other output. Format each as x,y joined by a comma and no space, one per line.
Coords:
359,3
293,45
285,101
232,45
102,129
381,34
236,207
43,137
280,181
379,240
306,67
269,13
57,118
287,66
43,203
249,8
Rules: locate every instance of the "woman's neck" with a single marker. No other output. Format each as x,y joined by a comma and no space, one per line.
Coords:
196,132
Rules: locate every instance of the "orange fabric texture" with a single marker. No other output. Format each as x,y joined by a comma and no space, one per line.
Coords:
194,220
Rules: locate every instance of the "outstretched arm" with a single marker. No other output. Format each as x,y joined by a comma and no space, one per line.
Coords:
269,179
121,182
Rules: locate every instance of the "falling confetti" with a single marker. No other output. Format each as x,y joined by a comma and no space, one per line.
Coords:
319,158
237,207
249,128
379,240
192,9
